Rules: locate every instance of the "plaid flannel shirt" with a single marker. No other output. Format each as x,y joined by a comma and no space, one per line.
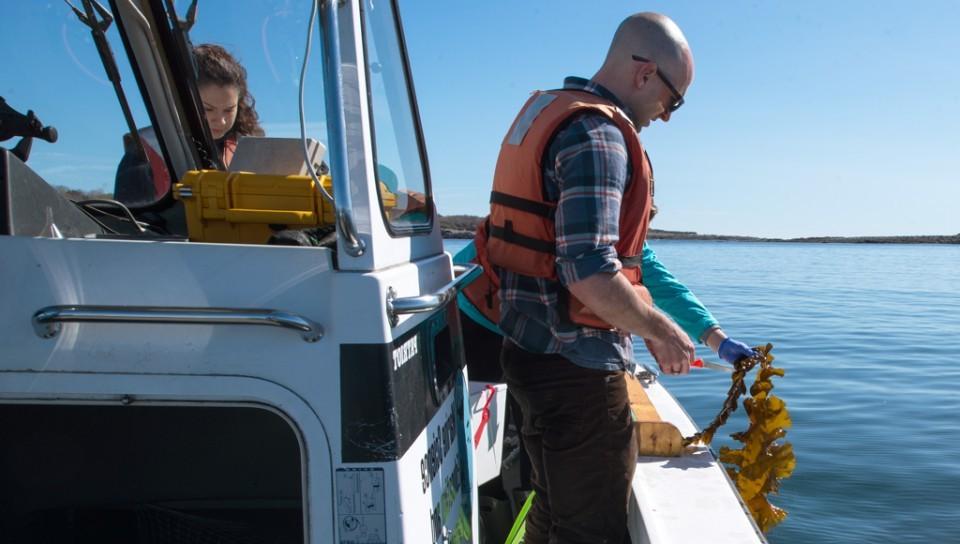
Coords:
586,169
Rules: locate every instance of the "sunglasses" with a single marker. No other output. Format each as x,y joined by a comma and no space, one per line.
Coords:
677,97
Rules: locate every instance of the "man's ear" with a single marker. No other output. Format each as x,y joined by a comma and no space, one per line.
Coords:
644,72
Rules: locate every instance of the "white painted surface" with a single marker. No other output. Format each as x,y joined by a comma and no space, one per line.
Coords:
686,499
103,362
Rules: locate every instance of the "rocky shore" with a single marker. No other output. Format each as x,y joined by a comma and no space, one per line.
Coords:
463,226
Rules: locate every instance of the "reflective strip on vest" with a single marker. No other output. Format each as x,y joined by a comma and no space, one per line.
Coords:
531,113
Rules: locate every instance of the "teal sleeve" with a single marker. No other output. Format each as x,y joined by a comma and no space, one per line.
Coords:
674,298
464,256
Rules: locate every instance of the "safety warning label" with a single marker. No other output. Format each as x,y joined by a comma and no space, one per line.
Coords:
360,506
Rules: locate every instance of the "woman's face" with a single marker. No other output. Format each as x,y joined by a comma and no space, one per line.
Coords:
220,106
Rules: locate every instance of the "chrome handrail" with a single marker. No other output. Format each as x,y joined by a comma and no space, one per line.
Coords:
463,275
336,130
47,321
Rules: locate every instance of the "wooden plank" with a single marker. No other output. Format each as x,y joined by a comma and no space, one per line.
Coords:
655,437
643,410
658,439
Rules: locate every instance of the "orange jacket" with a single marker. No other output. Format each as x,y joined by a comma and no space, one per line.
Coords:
520,234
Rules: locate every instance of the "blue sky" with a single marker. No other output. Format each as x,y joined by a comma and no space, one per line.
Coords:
805,118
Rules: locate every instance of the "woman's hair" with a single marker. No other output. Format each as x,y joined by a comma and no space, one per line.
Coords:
216,66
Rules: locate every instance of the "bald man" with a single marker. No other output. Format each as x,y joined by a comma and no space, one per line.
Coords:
570,206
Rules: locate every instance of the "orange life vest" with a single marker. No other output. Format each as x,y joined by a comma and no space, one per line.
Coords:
520,234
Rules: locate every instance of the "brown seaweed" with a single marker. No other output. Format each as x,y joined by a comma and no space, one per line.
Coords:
762,462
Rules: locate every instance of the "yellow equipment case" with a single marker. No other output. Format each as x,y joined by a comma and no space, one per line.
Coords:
247,208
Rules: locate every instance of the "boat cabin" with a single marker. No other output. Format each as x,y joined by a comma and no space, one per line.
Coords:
174,369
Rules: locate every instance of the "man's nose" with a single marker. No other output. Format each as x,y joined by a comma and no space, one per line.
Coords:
665,116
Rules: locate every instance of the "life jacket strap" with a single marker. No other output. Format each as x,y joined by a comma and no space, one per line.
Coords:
507,234
522,204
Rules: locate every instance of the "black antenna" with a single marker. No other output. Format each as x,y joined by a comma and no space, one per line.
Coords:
183,52
187,24
98,29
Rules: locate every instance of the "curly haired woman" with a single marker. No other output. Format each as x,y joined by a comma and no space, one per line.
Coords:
142,177
227,103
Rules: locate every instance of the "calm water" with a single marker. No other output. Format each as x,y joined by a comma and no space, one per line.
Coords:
869,336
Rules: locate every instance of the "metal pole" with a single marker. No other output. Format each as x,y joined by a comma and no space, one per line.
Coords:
336,129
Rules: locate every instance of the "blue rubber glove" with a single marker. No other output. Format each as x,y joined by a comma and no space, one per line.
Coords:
732,351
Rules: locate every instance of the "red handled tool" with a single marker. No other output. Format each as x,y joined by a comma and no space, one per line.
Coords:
700,363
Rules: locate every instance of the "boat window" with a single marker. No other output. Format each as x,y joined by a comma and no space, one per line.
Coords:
52,67
162,474
400,156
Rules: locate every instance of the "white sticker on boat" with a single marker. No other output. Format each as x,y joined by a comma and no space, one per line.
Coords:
404,353
361,515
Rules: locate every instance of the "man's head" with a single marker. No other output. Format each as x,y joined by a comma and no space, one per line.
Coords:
649,67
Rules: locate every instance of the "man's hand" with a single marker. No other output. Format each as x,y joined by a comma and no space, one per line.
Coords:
727,348
672,349
612,298
732,351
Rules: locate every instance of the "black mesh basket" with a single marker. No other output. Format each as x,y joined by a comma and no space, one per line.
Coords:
157,525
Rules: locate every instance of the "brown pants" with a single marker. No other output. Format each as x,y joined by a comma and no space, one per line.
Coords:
578,433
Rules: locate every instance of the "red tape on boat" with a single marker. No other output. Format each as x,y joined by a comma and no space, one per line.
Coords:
485,415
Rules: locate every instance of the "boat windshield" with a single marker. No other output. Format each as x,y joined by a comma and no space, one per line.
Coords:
107,145
53,68
267,39
400,153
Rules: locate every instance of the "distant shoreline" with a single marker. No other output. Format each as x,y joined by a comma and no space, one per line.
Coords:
463,227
